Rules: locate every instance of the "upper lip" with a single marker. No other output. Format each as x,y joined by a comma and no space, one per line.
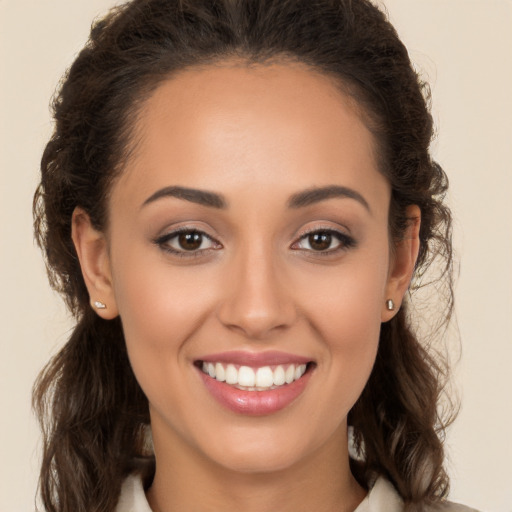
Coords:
255,359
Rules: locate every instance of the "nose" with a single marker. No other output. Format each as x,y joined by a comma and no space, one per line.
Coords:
258,300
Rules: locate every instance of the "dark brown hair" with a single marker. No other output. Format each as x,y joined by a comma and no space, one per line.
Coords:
92,410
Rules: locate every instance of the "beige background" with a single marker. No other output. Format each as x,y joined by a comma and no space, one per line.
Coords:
465,49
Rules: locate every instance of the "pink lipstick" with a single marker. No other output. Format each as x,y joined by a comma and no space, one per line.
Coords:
255,383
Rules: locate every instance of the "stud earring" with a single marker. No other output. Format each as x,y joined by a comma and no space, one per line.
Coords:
390,305
99,305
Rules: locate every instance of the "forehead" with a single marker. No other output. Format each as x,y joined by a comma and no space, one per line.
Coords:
260,125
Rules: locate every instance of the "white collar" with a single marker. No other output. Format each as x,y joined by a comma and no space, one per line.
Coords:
132,497
381,498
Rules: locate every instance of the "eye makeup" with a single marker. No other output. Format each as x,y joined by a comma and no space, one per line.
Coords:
321,241
187,242
190,242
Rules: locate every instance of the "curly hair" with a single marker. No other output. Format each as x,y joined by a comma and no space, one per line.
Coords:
91,408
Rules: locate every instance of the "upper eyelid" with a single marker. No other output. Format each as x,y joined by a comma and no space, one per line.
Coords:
184,229
346,240
163,243
169,235
328,229
161,239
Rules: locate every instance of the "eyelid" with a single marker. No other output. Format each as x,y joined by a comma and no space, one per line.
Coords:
161,242
346,240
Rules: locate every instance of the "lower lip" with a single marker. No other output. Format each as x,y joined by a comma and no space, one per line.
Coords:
255,403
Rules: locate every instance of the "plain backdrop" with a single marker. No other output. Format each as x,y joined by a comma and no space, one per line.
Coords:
463,47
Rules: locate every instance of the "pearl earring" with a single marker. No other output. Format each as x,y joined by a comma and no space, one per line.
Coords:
390,305
99,305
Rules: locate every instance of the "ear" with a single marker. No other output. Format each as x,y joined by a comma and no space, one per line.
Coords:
92,250
402,263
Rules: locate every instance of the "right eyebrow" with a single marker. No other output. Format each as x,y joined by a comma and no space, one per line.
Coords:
316,195
202,197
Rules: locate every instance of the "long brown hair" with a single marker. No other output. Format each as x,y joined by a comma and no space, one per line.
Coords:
92,410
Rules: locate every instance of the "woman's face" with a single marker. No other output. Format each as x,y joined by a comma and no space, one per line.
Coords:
248,242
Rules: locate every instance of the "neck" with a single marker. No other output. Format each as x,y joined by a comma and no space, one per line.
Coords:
185,480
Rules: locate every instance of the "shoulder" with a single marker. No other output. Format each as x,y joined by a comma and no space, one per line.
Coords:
132,497
384,498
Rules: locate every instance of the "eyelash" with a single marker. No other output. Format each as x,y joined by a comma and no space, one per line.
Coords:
163,240
346,242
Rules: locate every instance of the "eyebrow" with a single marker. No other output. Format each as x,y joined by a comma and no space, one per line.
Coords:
193,195
298,200
316,195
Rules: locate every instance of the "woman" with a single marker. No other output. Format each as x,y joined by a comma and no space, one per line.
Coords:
234,202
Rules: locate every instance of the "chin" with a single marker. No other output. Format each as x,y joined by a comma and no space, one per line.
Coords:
258,462
265,452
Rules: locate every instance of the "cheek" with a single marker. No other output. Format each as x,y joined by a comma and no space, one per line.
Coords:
344,310
154,297
160,308
349,298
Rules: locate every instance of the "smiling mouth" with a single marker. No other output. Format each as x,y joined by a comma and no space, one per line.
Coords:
246,378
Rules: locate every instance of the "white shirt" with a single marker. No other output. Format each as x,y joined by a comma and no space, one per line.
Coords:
381,498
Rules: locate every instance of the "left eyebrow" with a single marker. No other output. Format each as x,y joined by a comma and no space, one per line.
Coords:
202,197
316,195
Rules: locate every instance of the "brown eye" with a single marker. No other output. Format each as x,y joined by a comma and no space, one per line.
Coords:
320,241
187,242
190,241
324,242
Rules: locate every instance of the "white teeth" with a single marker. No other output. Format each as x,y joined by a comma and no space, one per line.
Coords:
290,374
254,379
278,376
220,373
264,377
299,371
231,374
246,377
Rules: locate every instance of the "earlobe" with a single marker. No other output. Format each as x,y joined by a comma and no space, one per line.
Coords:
402,264
91,248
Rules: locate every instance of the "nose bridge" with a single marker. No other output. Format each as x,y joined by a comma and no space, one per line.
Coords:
257,299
